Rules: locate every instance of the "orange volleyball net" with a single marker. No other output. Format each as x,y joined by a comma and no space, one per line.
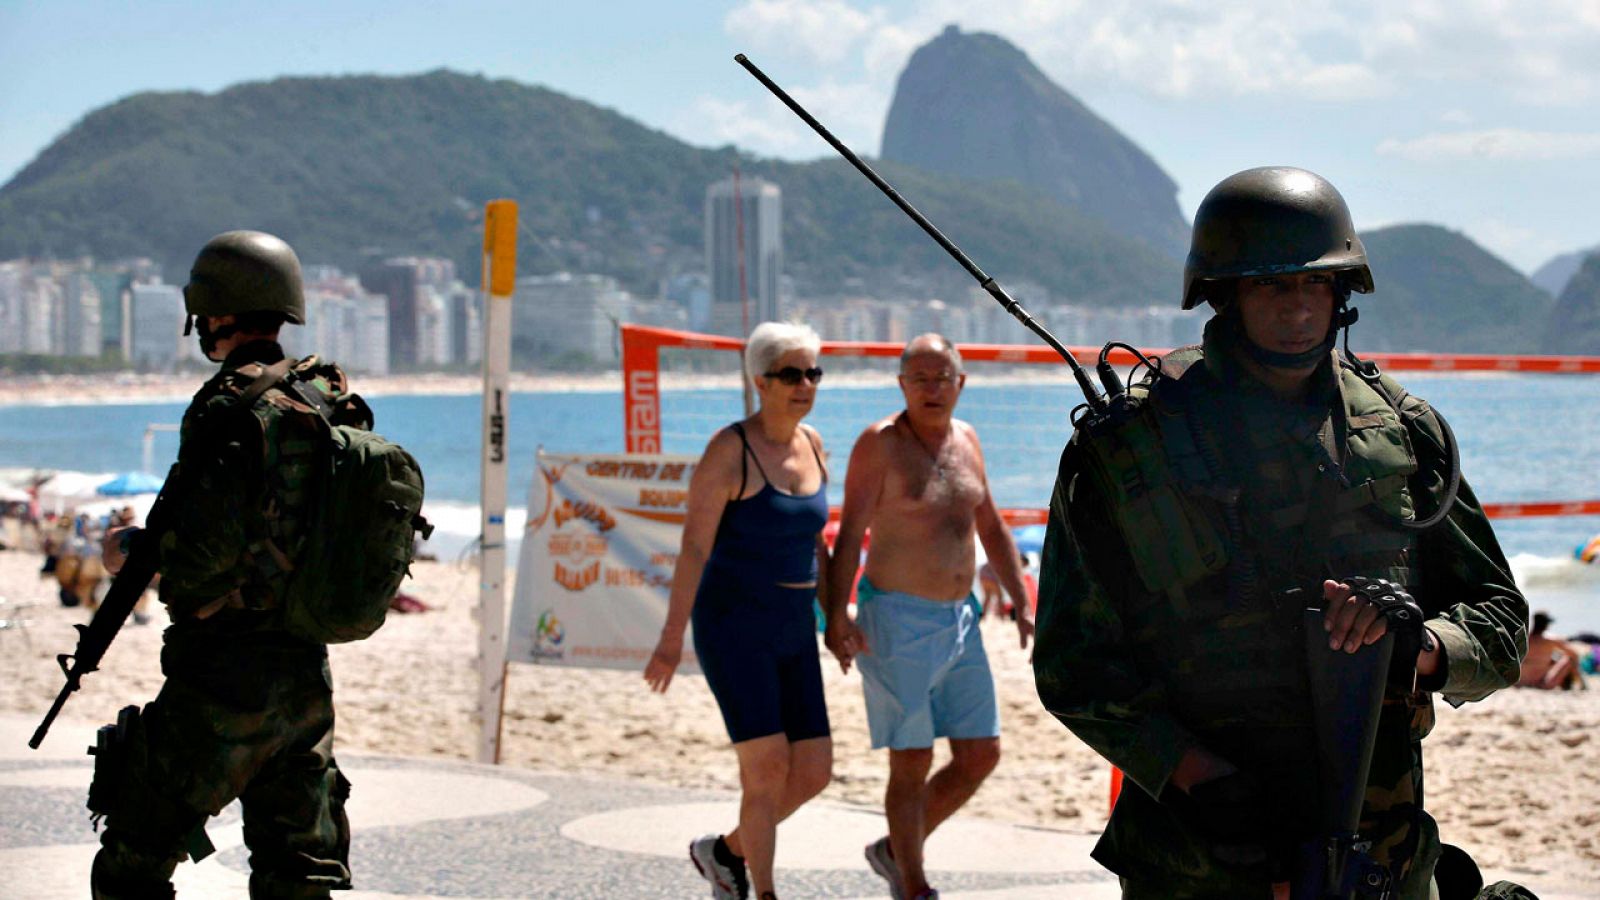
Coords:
704,373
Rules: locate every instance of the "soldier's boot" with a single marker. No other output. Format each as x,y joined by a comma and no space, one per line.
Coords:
124,872
274,886
1505,890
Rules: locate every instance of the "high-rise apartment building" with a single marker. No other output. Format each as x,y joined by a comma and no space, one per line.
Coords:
567,317
411,283
344,323
155,319
755,221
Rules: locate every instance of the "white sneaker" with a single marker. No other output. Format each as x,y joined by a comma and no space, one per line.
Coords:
727,882
878,858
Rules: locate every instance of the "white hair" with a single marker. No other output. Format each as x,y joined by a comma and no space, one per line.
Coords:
941,345
771,340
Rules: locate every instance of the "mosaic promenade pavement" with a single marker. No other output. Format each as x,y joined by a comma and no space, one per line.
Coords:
426,828
431,829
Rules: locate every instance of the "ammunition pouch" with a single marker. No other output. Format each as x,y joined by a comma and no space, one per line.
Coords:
1172,538
110,752
115,790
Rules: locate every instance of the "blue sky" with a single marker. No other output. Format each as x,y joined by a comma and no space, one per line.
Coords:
1479,115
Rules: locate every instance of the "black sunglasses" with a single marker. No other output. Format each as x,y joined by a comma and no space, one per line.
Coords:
791,375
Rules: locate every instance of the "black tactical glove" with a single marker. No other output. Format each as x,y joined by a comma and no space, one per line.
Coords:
1404,617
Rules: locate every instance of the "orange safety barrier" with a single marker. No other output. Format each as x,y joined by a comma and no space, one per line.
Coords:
642,337
1542,508
1019,516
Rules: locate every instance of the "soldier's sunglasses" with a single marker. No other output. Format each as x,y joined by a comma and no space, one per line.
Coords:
791,375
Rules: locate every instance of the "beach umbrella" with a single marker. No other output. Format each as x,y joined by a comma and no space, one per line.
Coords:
9,494
65,490
1029,538
130,483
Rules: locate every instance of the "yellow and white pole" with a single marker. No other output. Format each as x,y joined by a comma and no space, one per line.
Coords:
500,283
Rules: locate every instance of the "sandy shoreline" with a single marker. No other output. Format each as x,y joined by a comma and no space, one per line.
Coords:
87,390
112,388
128,387
1511,779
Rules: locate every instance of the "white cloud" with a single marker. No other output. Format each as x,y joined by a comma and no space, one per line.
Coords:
854,113
825,31
1494,144
718,122
1536,51
1521,246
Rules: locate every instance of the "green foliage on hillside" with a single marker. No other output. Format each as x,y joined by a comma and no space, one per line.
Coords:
346,168
1439,291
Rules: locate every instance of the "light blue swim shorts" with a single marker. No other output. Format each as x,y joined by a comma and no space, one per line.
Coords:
927,676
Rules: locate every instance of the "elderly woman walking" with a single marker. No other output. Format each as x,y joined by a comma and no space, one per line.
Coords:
750,566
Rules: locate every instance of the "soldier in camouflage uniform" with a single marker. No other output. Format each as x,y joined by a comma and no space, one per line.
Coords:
246,711
1261,462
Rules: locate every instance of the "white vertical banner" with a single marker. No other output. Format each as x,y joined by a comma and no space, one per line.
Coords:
597,557
500,280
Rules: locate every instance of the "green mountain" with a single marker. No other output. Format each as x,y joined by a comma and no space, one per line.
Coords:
974,105
349,167
1574,325
1558,270
1439,291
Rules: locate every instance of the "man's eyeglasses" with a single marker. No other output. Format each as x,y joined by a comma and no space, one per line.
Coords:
791,375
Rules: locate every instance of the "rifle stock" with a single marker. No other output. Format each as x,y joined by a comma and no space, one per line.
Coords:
1347,696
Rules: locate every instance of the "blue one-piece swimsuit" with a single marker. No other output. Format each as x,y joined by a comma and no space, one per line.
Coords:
757,640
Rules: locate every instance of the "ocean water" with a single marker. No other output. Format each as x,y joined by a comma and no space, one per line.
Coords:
1522,438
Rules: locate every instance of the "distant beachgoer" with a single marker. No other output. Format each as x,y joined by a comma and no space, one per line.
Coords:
1589,550
995,600
1551,662
751,562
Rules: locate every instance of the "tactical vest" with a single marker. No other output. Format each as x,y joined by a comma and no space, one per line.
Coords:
1203,485
1222,511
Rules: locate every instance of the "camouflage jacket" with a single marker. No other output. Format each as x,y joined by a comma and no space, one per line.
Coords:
244,475
1161,624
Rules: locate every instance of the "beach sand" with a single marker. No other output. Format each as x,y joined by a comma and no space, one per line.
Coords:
1511,779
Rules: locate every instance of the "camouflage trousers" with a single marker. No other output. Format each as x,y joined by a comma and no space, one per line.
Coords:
212,736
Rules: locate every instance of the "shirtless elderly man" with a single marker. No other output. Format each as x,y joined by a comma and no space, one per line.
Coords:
917,480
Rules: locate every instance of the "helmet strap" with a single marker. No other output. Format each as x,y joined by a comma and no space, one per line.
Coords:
209,337
1344,318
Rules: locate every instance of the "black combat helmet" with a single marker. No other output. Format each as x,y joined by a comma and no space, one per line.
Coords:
245,271
1274,220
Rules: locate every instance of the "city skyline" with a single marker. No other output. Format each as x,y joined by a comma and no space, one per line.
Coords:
1477,116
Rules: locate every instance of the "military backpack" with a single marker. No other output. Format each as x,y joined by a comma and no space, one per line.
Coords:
363,509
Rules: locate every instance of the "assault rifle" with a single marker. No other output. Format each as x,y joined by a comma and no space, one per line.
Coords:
126,589
1347,696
